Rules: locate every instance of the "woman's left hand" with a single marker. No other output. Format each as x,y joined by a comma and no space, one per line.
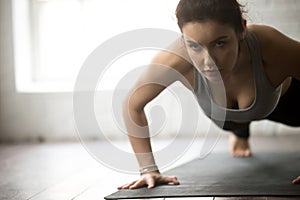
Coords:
296,180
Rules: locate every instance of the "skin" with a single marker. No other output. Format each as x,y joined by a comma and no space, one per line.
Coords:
220,42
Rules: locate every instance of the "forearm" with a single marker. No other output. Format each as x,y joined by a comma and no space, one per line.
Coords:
241,130
138,134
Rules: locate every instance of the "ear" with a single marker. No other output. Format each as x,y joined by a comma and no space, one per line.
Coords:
243,33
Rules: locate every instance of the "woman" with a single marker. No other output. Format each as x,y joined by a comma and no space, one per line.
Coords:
258,66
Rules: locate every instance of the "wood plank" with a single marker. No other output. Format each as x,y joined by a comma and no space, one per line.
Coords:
12,170
29,171
105,185
33,168
69,187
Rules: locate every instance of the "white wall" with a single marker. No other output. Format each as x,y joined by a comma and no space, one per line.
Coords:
49,116
25,116
281,14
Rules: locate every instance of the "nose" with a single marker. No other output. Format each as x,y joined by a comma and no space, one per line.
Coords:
208,62
203,60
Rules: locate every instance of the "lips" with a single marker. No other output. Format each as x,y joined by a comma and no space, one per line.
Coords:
211,73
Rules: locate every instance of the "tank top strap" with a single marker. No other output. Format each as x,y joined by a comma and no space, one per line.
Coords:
260,77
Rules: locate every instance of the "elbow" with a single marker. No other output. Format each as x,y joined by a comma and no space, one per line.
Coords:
130,105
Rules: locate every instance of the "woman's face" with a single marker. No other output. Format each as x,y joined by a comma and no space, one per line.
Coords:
213,47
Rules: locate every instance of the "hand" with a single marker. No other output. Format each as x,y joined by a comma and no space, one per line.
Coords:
239,147
151,179
296,180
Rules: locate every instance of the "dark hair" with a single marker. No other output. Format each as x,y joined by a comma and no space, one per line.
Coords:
224,11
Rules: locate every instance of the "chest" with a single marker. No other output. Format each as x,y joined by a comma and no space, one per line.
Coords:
240,92
245,100
241,89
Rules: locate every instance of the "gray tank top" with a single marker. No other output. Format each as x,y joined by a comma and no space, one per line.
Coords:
266,96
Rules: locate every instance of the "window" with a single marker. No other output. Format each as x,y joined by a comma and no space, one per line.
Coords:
52,38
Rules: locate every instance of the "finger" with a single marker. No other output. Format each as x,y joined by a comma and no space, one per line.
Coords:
121,187
126,186
239,154
170,179
138,184
235,154
248,153
151,183
296,180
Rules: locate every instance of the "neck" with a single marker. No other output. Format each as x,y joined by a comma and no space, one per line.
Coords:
242,66
244,57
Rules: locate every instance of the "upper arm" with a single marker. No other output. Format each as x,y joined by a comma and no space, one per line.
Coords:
287,52
165,68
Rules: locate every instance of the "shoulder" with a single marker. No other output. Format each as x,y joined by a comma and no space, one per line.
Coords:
176,59
174,56
272,40
278,50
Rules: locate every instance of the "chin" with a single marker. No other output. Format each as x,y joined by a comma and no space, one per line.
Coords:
214,76
214,79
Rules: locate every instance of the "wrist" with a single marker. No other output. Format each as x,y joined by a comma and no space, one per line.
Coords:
148,169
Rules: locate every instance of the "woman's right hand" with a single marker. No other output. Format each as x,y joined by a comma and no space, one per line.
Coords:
151,179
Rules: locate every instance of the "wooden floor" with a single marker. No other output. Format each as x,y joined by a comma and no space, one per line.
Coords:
65,171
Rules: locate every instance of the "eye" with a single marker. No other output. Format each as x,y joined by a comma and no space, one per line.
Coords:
220,43
194,46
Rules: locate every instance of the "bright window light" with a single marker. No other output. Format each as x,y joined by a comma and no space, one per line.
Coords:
53,38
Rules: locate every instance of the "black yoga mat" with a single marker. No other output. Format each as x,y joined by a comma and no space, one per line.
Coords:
263,174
